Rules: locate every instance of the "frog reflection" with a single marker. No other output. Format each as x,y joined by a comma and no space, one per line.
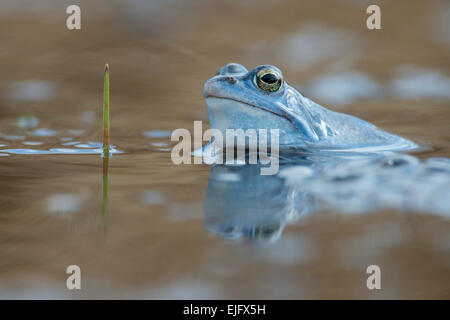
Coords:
242,204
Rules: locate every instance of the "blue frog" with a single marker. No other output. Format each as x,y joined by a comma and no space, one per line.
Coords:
261,99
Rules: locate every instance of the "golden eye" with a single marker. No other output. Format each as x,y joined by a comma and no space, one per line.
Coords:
268,80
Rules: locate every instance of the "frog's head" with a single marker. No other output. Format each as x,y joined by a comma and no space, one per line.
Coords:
257,99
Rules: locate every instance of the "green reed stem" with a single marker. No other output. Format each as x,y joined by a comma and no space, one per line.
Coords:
106,148
105,189
106,110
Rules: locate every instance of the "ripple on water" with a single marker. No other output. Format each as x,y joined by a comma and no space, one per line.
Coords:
11,137
160,144
157,134
70,143
32,143
89,145
43,132
87,148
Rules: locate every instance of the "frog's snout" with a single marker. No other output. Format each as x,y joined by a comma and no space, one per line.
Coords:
216,85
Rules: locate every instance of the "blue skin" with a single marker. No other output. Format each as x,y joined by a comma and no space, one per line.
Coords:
235,101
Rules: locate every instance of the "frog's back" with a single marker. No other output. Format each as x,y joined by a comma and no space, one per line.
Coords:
342,131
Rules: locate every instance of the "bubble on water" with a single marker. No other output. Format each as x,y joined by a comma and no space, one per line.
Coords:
4,154
43,132
416,83
344,88
66,139
31,91
157,134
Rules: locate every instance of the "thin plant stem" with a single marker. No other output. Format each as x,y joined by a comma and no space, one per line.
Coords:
105,189
106,110
106,148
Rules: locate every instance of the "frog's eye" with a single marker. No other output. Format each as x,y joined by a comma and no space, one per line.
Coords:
268,80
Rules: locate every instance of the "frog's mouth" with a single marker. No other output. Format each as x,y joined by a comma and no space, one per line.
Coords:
232,114
211,97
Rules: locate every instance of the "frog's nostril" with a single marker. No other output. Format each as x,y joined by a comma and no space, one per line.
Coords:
229,79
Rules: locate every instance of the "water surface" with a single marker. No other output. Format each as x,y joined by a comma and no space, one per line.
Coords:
218,232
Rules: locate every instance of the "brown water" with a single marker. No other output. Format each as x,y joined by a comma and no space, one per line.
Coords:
152,243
